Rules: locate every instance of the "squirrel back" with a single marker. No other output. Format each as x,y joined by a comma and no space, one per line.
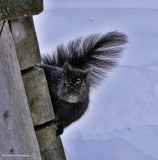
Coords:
73,69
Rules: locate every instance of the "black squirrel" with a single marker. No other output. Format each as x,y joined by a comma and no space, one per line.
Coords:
74,69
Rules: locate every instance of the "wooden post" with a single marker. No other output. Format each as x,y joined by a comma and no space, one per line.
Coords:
17,136
38,96
26,44
50,145
19,52
42,112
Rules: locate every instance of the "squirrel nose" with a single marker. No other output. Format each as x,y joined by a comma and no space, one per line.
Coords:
73,98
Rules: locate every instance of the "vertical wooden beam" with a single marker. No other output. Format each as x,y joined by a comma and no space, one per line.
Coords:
38,95
50,146
17,136
36,87
26,43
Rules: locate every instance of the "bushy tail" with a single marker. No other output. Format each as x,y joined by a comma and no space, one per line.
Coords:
98,52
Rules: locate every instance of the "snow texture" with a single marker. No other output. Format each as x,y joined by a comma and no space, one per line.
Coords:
122,120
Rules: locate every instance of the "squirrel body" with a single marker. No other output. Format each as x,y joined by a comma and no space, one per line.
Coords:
74,69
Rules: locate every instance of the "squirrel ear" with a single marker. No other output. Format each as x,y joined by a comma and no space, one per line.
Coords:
67,67
87,72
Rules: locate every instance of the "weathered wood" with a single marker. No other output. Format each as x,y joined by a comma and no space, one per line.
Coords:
38,95
1,25
13,9
42,112
17,136
27,48
50,146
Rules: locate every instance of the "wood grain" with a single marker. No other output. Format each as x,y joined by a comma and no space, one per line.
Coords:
50,146
26,43
17,136
38,95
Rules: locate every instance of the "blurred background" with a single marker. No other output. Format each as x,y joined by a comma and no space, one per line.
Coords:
122,120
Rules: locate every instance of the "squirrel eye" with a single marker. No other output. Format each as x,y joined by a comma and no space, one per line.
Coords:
83,85
65,84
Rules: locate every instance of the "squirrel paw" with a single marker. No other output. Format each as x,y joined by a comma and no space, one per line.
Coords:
60,129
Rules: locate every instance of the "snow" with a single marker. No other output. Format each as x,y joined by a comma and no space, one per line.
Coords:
113,149
100,4
143,138
122,120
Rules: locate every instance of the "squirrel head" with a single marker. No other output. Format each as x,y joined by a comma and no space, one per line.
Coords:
74,86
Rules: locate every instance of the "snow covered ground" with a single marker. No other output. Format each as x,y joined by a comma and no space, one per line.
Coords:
122,120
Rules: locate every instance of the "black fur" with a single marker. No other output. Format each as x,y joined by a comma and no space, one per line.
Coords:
96,51
73,69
